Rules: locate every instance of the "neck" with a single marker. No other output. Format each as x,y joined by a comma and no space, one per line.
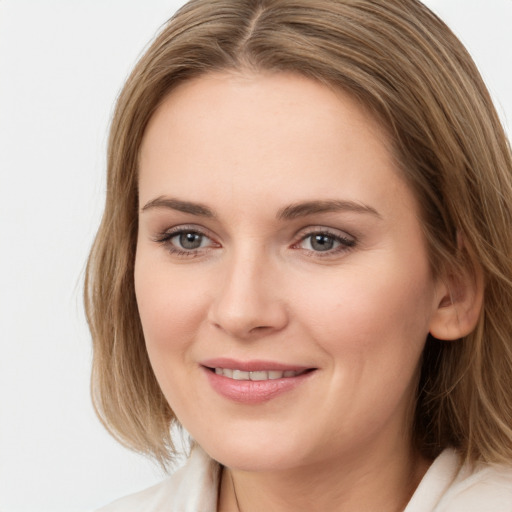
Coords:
369,482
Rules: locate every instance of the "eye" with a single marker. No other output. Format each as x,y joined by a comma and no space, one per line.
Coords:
183,241
326,242
189,240
321,242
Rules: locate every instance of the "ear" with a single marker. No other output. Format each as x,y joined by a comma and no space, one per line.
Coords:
459,303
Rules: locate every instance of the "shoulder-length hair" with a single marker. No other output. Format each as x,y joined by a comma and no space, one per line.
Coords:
400,61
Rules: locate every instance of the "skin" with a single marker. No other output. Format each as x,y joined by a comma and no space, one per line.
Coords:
247,146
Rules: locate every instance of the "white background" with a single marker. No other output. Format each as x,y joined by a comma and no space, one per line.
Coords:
62,63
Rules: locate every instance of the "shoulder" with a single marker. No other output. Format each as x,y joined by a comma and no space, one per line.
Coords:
193,488
483,488
449,487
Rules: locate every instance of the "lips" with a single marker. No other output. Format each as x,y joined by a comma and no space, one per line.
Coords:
253,382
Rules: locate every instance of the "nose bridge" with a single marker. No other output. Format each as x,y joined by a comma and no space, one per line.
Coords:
248,299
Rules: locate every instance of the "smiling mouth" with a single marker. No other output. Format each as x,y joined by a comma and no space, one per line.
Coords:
254,382
258,375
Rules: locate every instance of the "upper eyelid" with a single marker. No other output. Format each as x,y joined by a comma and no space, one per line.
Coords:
181,228
311,230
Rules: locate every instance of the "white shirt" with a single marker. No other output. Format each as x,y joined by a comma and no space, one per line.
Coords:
444,488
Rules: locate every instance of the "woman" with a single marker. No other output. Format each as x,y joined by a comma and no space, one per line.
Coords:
304,261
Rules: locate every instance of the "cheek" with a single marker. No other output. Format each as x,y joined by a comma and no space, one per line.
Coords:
172,309
171,306
372,330
364,314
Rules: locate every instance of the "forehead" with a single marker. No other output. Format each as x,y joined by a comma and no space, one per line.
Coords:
272,136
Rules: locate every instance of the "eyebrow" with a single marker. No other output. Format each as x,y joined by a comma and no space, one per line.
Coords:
304,209
182,206
293,211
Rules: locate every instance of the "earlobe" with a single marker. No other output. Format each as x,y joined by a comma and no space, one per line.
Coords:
459,303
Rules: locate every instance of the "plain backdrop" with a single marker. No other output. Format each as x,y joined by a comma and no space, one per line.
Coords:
62,64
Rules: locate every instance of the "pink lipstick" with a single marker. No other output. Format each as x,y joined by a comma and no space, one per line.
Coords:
253,382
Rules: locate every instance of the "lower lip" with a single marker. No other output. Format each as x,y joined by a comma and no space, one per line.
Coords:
253,392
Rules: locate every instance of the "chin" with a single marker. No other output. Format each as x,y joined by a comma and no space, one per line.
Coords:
258,454
255,461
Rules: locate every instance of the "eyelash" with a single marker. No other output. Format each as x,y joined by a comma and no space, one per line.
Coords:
166,237
345,243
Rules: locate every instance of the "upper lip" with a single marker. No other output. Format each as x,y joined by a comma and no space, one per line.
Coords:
251,366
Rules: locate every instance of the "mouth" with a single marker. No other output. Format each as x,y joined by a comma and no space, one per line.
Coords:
254,382
259,375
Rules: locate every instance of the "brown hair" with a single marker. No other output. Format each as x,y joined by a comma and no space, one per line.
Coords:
400,61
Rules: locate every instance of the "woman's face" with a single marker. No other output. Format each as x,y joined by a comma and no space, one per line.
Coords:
281,273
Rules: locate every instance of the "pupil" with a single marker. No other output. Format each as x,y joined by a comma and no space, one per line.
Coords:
190,240
322,243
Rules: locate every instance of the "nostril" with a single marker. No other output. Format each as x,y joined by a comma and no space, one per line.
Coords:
260,328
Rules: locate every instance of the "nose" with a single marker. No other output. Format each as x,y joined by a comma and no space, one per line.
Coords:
249,302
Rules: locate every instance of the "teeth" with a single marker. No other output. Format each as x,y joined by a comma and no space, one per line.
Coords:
257,375
225,371
240,375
